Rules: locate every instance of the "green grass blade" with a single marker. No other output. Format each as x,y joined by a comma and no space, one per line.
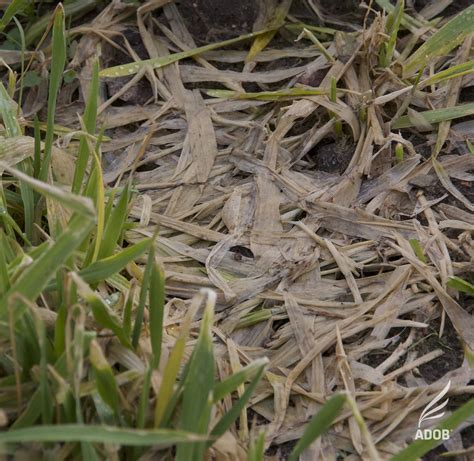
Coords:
465,68
319,424
276,21
105,268
393,25
143,406
127,311
31,413
228,419
44,387
198,386
420,447
268,95
441,42
170,373
98,434
461,285
4,277
231,383
257,448
60,331
104,378
81,205
8,113
437,115
73,9
115,223
407,21
156,307
156,63
418,249
103,315
37,148
14,8
97,185
27,196
90,118
140,312
58,62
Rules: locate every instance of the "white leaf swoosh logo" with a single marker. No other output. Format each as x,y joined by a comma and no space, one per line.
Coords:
431,413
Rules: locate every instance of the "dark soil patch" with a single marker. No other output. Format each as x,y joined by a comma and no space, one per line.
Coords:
343,9
453,353
212,20
332,156
467,94
378,356
281,452
437,190
426,341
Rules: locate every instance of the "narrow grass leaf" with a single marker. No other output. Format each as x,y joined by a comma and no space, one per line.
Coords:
81,205
44,387
104,378
140,312
465,68
4,276
156,63
198,385
231,383
8,113
98,434
170,373
268,95
407,21
228,419
418,250
318,424
31,414
461,285
437,115
277,19
105,268
15,7
127,311
98,185
441,42
37,148
58,62
393,24
103,315
115,223
75,9
156,307
143,405
89,118
257,448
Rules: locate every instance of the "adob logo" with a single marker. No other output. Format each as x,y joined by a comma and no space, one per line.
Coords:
434,413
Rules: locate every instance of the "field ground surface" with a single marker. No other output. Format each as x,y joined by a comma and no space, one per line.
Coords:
316,176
